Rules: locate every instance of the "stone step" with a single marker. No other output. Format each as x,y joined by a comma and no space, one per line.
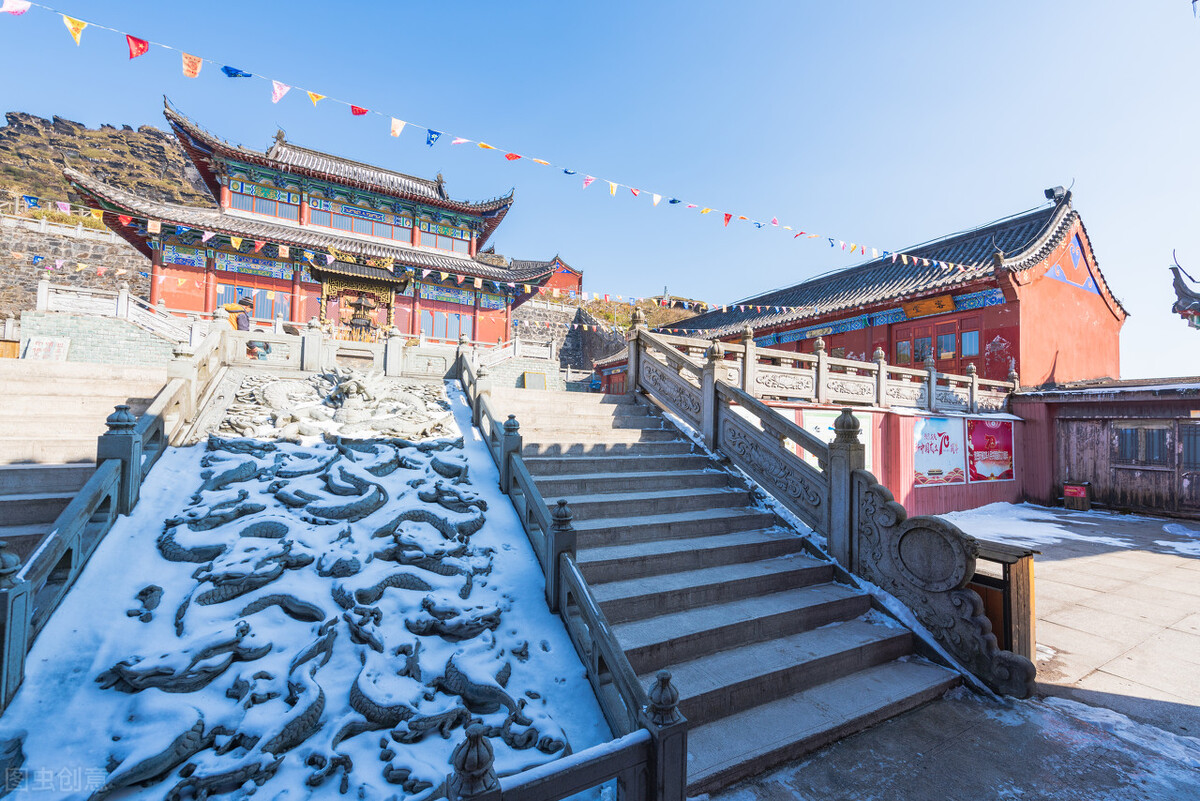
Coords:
15,479
597,483
72,385
44,406
628,530
582,465
56,426
557,428
551,399
640,598
592,507
728,682
20,509
599,449
40,450
532,411
750,742
618,562
24,540
32,369
606,436
656,642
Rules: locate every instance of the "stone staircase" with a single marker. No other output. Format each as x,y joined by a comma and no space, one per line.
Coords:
52,412
32,497
772,657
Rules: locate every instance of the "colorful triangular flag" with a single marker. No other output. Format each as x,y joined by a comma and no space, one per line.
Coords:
397,126
75,26
656,199
236,241
315,98
191,65
234,72
278,90
15,7
357,111
137,47
431,136
588,181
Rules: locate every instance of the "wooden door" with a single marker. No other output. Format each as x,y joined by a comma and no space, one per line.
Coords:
1081,453
1188,483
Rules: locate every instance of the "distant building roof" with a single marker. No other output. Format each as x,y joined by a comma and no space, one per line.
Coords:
1094,389
116,201
287,157
1024,239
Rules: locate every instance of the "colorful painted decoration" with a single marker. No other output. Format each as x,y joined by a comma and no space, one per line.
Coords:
397,126
431,136
278,90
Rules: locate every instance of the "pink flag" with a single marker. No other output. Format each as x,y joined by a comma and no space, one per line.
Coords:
207,235
100,270
425,273
328,259
63,206
458,140
15,7
774,221
587,181
278,90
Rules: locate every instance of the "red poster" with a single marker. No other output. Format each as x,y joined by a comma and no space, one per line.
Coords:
989,450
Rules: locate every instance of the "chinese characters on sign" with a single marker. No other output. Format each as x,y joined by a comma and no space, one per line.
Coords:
938,451
989,450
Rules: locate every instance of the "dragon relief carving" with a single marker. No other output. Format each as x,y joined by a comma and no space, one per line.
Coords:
950,397
771,468
927,562
856,388
913,392
671,389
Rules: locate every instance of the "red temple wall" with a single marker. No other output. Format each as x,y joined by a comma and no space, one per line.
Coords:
564,281
1067,332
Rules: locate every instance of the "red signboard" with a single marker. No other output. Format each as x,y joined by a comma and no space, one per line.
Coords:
989,450
1074,491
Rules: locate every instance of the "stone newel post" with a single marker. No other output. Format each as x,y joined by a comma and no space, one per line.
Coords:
749,360
510,448
16,613
708,395
474,775
120,442
639,325
561,539
846,454
668,728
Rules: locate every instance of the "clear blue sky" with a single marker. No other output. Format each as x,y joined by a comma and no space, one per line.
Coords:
879,123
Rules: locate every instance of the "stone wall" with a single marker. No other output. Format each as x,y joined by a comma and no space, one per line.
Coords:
101,340
575,347
560,325
511,373
19,276
595,345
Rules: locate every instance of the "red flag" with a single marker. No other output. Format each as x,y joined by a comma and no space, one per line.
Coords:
728,217
124,220
258,245
357,111
137,47
511,156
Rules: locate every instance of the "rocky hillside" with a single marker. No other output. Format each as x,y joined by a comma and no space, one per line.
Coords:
33,152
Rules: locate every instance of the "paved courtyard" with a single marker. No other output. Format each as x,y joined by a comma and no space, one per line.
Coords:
1118,607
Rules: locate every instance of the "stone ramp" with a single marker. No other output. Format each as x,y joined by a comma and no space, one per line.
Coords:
772,656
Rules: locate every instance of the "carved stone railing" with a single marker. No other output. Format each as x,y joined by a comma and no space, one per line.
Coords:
820,378
926,562
30,593
122,304
650,758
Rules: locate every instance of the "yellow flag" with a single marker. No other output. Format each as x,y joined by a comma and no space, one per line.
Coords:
612,189
97,213
236,241
444,275
486,146
539,161
75,26
705,211
180,281
80,266
270,294
315,98
904,258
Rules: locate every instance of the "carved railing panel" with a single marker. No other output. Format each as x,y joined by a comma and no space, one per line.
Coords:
991,400
670,388
800,487
926,563
851,388
953,398
908,393
784,382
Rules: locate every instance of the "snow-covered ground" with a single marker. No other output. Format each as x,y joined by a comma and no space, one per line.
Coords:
299,618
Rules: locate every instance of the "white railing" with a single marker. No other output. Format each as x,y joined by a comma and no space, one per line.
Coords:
122,304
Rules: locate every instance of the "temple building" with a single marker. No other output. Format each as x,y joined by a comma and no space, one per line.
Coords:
1023,293
312,235
1187,299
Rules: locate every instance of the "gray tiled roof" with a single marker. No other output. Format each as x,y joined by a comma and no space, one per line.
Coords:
286,155
109,198
882,279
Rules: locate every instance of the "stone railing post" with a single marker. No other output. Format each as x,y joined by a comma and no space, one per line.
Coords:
181,367
846,454
120,442
708,395
474,775
881,378
668,731
822,377
749,361
561,539
460,353
16,615
973,386
393,353
639,325
510,447
43,295
310,346
122,310
931,369
483,386
1013,377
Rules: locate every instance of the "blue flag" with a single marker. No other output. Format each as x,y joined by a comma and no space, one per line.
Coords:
569,172
431,136
674,200
234,72
180,230
31,202
38,259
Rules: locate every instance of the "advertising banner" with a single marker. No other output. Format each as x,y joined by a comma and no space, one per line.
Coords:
819,423
989,450
939,453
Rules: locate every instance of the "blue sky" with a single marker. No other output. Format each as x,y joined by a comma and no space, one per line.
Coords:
878,123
